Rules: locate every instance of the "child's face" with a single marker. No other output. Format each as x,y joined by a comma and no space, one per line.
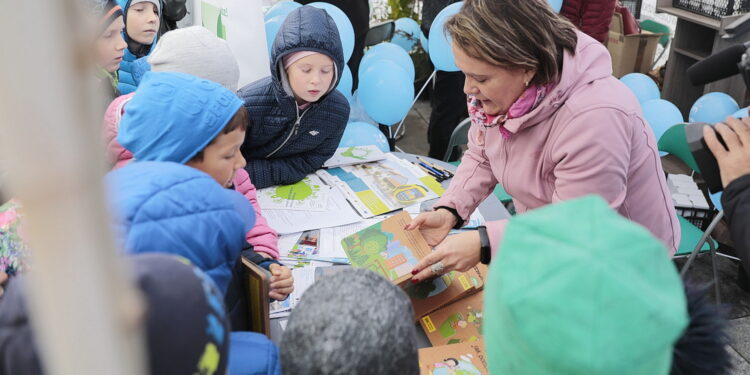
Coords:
310,77
222,158
143,22
110,46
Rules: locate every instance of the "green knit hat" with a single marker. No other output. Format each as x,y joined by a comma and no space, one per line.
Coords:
577,289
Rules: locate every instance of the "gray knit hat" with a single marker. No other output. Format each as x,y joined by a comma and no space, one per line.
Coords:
351,322
196,51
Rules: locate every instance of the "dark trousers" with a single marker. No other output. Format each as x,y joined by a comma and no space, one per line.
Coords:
448,103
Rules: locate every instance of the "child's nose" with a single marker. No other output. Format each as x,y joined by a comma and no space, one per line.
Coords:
241,162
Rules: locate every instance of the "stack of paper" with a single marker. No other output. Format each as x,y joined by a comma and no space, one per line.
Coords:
354,155
380,187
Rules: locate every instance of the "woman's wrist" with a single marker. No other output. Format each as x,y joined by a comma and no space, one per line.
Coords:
458,221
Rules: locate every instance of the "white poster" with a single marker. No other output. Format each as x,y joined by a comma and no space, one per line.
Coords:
240,23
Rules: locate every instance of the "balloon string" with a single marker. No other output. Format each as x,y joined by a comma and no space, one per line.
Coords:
432,76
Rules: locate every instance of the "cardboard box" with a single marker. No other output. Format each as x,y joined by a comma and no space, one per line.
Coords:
630,53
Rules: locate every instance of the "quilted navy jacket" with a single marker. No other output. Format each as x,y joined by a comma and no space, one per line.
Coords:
172,208
282,146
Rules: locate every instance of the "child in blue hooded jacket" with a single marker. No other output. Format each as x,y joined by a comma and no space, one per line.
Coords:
296,116
179,118
142,18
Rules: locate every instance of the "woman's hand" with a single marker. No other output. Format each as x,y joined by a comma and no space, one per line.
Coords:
433,225
734,160
459,252
282,283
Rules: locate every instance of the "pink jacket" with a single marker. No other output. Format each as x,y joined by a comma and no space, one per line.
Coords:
116,154
587,136
262,237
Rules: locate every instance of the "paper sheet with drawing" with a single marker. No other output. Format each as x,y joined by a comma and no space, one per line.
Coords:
310,194
339,212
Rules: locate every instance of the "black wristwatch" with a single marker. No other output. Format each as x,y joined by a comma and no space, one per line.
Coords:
485,251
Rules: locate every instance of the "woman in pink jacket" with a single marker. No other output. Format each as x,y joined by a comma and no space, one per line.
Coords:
549,123
194,50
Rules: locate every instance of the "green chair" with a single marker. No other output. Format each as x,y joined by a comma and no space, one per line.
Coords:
657,28
459,137
693,240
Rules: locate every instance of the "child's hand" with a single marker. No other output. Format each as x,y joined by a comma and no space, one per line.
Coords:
282,283
3,279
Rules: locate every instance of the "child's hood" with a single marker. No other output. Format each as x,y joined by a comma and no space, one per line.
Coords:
125,4
307,29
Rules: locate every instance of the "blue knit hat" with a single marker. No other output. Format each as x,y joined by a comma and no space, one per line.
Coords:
173,116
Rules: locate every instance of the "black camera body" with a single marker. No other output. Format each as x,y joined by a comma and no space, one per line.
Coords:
703,156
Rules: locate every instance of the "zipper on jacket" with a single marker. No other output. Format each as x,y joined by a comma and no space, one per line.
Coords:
295,130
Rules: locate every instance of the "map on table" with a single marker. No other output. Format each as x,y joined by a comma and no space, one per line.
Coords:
310,194
382,186
354,155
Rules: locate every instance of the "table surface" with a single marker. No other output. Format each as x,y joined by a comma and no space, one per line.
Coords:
491,209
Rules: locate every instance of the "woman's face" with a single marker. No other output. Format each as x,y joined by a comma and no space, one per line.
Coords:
497,88
110,46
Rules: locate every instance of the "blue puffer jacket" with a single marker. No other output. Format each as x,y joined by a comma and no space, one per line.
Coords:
172,208
281,147
128,82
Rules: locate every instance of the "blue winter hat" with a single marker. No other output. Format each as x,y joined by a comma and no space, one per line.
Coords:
174,116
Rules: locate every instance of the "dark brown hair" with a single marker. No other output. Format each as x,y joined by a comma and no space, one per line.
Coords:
238,121
514,34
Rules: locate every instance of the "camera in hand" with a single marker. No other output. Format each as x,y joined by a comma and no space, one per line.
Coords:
723,64
703,156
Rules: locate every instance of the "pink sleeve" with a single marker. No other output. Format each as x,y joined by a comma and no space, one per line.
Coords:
592,156
116,154
262,237
495,231
473,181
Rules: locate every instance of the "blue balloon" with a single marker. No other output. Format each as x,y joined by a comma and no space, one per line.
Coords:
407,33
272,28
642,86
281,8
716,200
742,113
386,92
346,31
661,115
363,134
387,51
441,53
423,41
556,5
345,84
713,107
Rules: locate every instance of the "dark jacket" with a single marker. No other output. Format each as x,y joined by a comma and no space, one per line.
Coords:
283,145
430,10
736,202
590,16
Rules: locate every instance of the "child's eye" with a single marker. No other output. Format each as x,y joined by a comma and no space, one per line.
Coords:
326,71
306,70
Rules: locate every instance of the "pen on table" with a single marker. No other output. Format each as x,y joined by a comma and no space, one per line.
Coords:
443,170
433,170
438,177
334,260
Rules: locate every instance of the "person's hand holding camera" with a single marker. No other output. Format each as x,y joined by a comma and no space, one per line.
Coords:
734,159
